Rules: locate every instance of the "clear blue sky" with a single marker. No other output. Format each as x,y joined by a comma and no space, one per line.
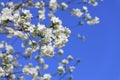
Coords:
100,53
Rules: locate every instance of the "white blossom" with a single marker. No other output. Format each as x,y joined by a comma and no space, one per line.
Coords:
1,55
77,12
47,50
64,5
41,14
20,34
2,72
93,2
61,69
93,21
9,57
1,45
46,77
9,49
2,4
6,14
70,57
53,5
31,28
40,27
85,9
38,41
10,4
56,20
28,52
27,13
88,16
65,61
60,52
39,4
30,71
41,60
71,68
45,66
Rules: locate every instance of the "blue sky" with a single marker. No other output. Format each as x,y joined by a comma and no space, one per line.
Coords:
100,53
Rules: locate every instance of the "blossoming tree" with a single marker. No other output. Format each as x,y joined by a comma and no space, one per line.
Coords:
38,42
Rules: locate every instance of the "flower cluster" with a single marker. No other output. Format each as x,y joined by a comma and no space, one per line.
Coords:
8,60
37,42
83,13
